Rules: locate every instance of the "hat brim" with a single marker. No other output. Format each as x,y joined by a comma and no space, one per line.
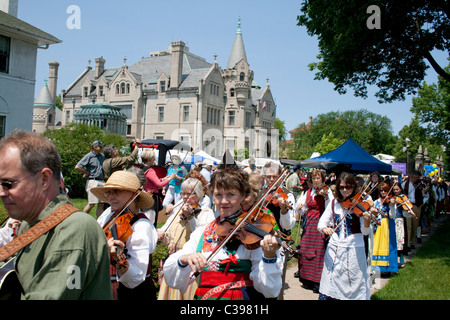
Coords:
143,201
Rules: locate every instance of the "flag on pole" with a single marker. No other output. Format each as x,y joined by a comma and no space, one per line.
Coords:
264,105
273,111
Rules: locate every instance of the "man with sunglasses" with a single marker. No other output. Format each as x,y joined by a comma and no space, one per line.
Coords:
70,261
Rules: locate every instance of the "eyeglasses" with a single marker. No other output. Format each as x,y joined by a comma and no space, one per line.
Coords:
346,187
112,192
8,185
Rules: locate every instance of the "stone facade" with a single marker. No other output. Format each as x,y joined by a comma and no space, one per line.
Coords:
175,94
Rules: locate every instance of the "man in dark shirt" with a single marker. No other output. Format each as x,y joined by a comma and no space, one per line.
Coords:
91,166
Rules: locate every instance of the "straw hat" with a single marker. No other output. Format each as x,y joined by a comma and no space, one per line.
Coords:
123,180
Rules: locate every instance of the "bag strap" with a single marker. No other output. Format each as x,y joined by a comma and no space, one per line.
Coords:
37,230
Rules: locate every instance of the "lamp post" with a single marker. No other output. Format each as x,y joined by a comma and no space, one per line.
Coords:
407,140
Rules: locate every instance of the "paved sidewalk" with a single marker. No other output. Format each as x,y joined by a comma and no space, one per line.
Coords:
293,289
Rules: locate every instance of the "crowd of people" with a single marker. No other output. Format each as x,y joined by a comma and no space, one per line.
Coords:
227,230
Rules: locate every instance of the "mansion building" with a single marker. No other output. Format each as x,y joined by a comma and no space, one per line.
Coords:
177,95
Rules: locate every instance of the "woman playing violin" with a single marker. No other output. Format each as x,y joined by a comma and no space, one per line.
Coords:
311,205
187,216
344,274
384,251
400,226
235,272
130,257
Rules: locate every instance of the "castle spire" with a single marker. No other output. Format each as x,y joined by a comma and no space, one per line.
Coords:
238,50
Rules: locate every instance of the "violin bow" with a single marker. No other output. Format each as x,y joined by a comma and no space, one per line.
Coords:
256,206
182,205
117,214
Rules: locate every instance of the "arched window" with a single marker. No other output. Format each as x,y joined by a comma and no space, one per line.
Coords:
128,88
242,76
122,88
117,89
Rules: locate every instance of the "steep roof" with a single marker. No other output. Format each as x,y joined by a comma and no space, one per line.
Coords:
238,50
148,69
44,99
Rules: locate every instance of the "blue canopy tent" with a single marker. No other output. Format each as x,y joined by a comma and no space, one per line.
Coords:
350,153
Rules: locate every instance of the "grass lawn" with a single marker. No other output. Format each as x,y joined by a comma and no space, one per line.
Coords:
427,275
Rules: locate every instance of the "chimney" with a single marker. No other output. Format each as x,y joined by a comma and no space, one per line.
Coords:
53,79
9,6
99,67
177,63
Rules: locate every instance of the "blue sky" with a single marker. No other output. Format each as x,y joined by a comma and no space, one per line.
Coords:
276,47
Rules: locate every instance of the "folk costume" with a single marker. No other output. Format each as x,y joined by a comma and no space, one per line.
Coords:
384,253
344,274
177,232
136,282
236,272
313,245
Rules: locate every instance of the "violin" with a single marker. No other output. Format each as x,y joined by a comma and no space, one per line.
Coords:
193,211
279,193
359,206
251,226
406,205
118,227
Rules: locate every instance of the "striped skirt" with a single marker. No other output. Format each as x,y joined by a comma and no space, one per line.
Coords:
312,250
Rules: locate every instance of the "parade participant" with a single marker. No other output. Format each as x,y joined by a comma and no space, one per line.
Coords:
374,185
344,274
173,189
188,215
235,272
293,184
131,272
281,208
413,189
311,205
384,250
30,171
115,163
400,226
91,166
154,183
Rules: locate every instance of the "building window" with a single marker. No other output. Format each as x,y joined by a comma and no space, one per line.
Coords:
231,118
232,92
242,76
100,91
122,88
128,88
2,126
85,92
248,118
117,89
163,86
160,114
5,44
185,113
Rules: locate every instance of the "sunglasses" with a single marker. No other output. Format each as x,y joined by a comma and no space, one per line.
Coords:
346,187
8,185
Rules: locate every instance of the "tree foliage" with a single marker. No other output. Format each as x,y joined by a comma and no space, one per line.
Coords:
432,108
73,142
391,57
371,131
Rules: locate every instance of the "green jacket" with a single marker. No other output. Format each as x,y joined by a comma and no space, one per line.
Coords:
71,261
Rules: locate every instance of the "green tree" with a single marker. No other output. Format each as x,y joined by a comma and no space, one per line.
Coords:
371,131
432,109
328,143
73,142
392,57
281,126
